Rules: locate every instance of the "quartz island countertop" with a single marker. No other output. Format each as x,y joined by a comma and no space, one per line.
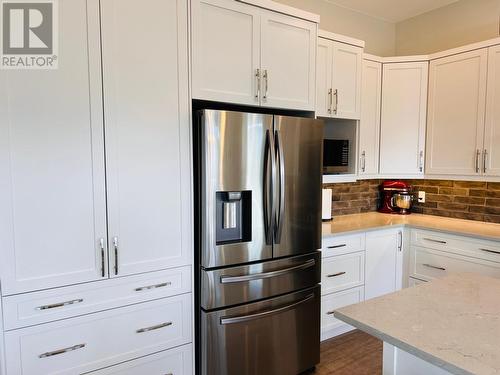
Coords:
452,323
374,220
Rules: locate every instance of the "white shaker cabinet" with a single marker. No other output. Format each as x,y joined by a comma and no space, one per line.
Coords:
383,262
147,133
457,95
324,77
243,54
369,125
52,186
403,118
491,153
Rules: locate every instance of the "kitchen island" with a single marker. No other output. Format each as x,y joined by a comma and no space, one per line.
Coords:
447,326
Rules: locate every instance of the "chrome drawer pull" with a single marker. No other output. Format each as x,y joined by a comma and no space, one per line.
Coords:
435,267
490,251
62,351
437,241
162,285
62,304
337,246
163,325
336,274
330,312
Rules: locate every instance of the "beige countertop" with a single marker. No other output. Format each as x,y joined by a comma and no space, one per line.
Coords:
374,220
453,323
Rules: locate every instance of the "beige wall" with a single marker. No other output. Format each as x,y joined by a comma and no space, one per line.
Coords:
378,35
464,22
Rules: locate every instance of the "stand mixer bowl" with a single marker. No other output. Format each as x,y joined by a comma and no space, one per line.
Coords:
403,201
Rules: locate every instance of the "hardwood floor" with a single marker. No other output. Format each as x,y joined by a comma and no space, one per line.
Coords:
354,353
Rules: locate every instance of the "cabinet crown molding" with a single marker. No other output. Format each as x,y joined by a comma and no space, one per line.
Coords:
285,9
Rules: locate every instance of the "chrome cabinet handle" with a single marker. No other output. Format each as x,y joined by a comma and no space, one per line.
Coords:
330,100
336,274
435,267
436,241
478,153
269,186
62,351
336,107
400,241
115,246
266,275
363,161
421,161
149,287
330,312
281,174
264,314
490,251
102,246
153,328
485,155
62,304
337,246
266,83
257,76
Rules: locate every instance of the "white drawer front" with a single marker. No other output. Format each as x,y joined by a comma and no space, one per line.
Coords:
463,245
331,302
46,306
428,264
342,272
414,282
99,340
339,245
176,361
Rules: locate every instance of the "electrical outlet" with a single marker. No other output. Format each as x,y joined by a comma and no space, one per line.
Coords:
421,197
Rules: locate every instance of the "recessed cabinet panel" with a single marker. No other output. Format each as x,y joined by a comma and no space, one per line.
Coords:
457,94
52,189
288,62
147,132
491,153
226,51
324,62
403,118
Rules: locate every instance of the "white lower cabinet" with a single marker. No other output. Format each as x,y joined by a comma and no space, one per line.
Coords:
342,272
99,340
414,282
177,361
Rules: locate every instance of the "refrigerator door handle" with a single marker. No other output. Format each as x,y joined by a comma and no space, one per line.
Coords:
246,318
269,186
281,166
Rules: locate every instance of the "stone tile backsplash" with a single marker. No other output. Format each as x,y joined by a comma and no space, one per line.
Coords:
471,200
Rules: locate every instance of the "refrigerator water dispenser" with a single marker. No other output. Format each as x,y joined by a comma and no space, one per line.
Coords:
234,217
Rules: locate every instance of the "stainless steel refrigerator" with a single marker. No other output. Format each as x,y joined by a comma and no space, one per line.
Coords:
258,234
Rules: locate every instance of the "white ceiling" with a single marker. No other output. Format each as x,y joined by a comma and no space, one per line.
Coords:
392,10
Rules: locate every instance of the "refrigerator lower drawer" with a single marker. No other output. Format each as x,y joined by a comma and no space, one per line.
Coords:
276,336
242,284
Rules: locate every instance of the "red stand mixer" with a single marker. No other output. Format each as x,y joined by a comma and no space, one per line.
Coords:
397,197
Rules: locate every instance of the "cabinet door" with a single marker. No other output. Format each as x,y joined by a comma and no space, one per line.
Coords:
324,61
369,126
403,118
52,190
225,51
383,267
288,56
491,156
457,95
346,77
147,134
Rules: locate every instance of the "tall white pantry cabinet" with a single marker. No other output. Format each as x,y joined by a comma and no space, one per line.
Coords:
95,194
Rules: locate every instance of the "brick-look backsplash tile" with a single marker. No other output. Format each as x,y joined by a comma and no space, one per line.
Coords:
473,200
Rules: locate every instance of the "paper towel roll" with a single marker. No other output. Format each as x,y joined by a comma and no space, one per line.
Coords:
327,204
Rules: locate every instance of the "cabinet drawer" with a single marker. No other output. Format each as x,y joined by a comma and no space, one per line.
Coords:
342,272
462,245
99,340
414,282
342,245
428,264
46,306
176,361
334,301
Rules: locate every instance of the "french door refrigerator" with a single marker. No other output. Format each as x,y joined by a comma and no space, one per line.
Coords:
258,235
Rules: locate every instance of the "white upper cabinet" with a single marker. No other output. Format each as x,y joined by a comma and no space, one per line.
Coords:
324,58
369,126
403,118
491,153
52,186
147,134
288,50
225,51
247,55
457,95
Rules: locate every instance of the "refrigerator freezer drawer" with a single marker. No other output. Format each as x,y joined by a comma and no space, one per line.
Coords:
277,336
242,284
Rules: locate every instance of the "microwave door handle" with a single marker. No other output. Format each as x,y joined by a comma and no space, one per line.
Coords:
269,184
281,166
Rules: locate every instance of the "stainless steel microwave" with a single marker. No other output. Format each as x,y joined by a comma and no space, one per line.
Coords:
335,156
